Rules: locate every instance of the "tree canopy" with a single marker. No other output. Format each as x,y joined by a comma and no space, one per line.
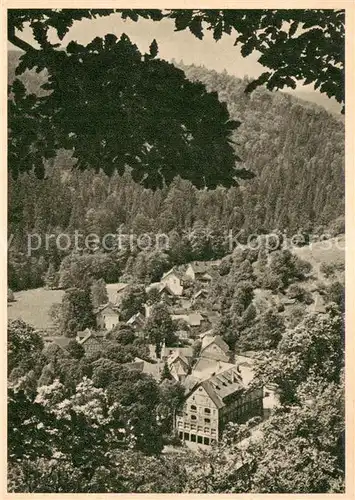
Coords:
155,121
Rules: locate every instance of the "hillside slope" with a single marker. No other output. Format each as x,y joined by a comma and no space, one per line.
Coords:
295,148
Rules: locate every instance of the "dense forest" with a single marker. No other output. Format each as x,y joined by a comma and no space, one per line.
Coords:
294,148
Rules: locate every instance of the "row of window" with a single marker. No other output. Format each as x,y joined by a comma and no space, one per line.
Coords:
195,438
198,428
207,420
206,410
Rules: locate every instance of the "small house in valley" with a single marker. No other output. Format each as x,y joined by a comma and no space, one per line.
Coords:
173,279
214,347
213,402
192,319
178,365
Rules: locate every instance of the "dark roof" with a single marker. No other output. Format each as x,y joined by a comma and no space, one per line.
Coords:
60,341
136,317
160,287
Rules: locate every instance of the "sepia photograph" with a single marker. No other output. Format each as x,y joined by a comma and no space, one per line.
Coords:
176,250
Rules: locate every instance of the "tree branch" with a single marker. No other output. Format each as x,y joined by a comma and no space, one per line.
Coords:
15,40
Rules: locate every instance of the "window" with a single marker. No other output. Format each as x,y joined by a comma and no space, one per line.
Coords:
213,432
186,425
208,411
193,438
186,436
199,428
199,439
207,420
181,435
207,430
180,424
193,417
193,408
206,440
193,427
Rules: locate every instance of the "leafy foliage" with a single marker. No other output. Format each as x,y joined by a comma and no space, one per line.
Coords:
162,128
295,45
132,110
22,342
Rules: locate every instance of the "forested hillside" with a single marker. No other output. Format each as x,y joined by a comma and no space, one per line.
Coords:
295,149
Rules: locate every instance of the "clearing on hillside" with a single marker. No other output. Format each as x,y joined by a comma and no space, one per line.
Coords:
33,306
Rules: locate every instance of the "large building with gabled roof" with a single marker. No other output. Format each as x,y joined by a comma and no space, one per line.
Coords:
212,402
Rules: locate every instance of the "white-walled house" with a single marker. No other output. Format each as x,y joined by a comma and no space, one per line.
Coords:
107,316
201,271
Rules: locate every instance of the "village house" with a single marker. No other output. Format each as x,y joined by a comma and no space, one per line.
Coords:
182,334
173,279
199,297
214,347
168,351
201,271
107,316
192,319
61,342
166,294
92,342
137,321
271,397
136,364
179,365
117,292
213,402
185,303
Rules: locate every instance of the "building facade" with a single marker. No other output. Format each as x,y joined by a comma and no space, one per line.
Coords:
210,404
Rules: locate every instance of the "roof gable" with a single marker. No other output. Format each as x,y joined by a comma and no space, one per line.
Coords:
208,340
200,388
108,307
